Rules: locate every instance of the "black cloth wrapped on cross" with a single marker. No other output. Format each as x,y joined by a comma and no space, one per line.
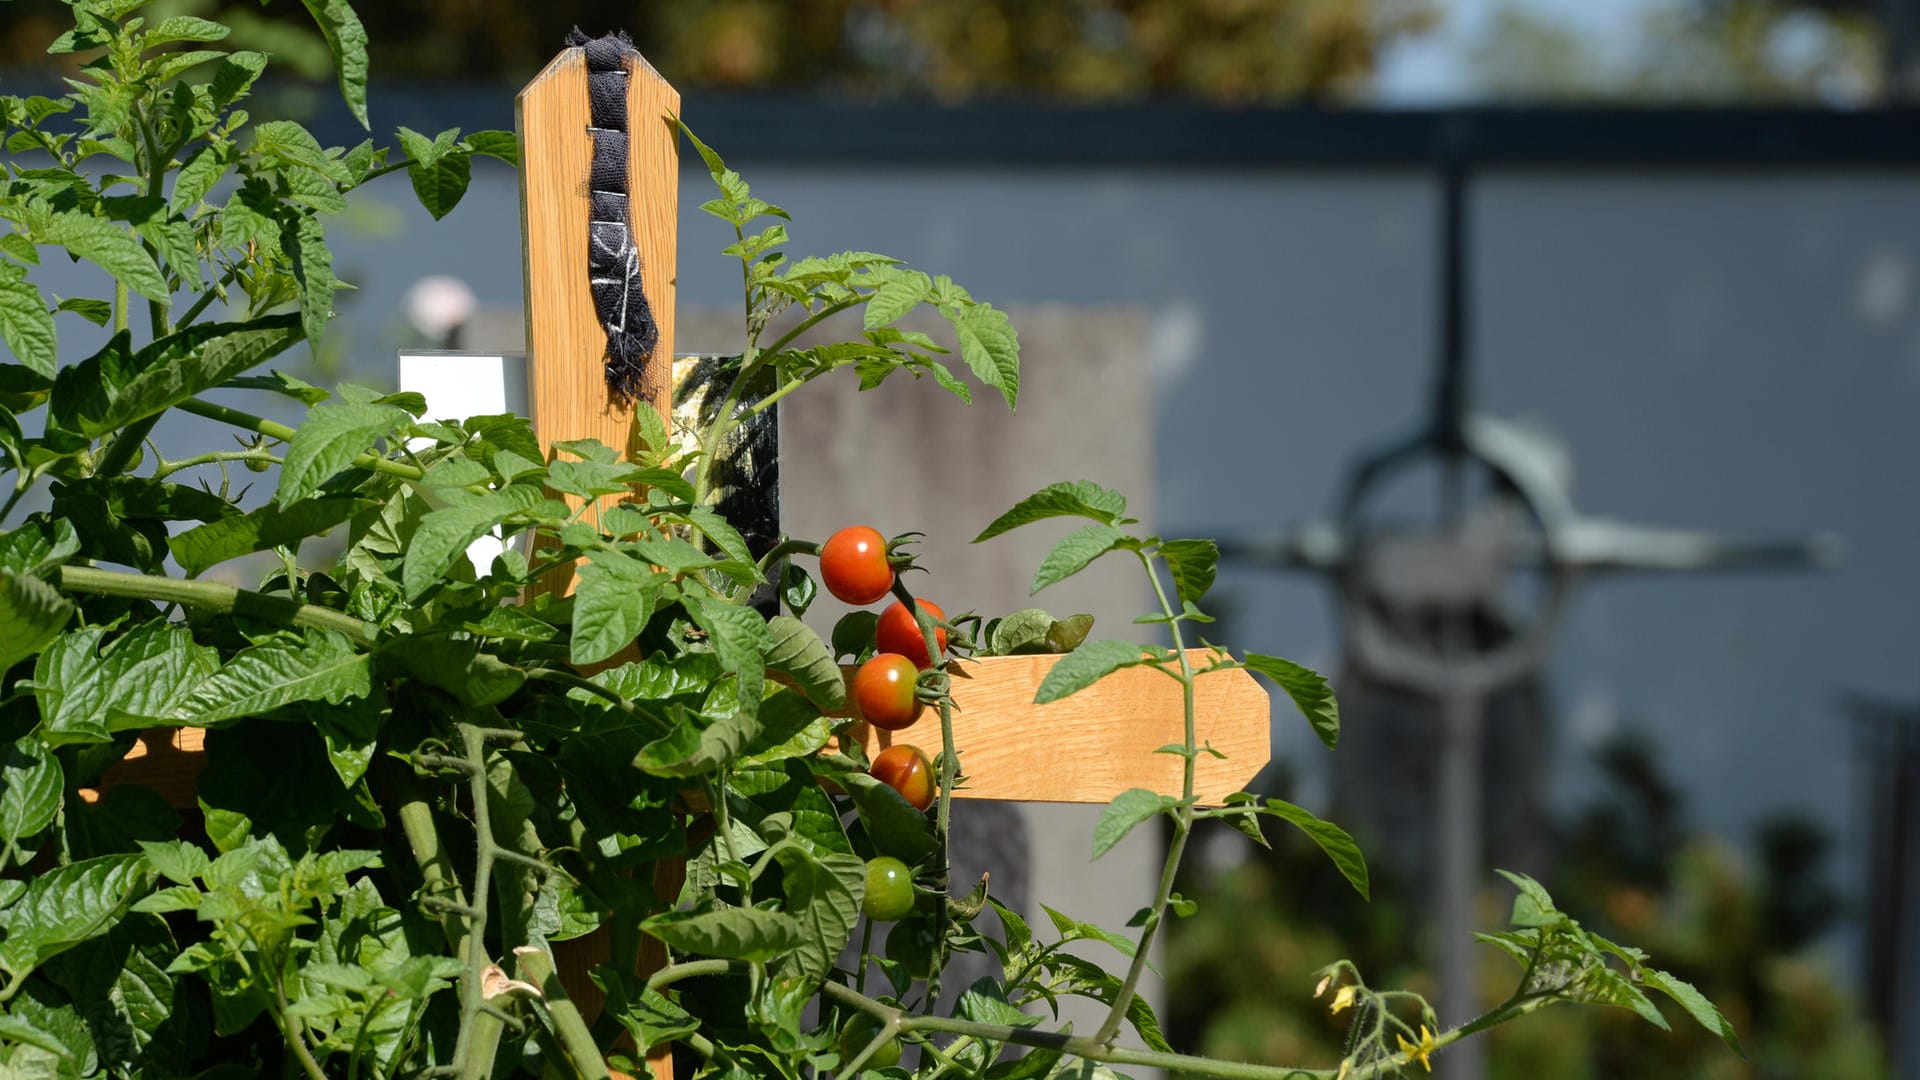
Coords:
613,260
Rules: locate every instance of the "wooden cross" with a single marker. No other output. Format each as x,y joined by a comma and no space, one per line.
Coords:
1100,742
1104,737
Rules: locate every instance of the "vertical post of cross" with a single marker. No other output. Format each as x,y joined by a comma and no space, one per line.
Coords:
566,341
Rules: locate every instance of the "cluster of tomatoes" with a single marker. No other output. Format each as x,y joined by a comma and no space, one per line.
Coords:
856,567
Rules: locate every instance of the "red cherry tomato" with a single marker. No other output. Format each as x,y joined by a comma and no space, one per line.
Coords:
897,632
907,770
883,691
853,565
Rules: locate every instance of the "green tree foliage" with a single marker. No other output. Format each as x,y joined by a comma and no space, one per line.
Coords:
1218,50
1706,51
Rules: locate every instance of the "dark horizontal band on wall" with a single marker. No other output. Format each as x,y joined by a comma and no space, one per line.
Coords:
805,129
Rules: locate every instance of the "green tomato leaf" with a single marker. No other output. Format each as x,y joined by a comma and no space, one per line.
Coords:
1532,907
184,28
823,894
648,1015
797,652
739,638
67,905
1192,564
893,825
1023,631
1086,665
1604,986
1129,808
1065,635
894,299
270,526
853,633
986,1003
31,615
1309,691
116,386
324,666
612,602
443,535
504,145
1696,1004
198,176
1072,929
1081,498
1074,552
26,325
144,677
989,346
475,678
110,246
306,244
30,785
348,41
797,588
328,441
1332,839
728,932
97,312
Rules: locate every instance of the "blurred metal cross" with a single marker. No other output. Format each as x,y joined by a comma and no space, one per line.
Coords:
1501,530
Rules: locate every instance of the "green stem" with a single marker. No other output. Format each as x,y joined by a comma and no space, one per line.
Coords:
783,549
473,745
812,321
200,304
691,969
437,874
166,469
119,306
124,445
1182,823
214,596
483,1046
773,399
1091,1050
949,770
536,966
269,428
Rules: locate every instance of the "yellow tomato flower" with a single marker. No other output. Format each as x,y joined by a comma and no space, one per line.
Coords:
1419,1051
1342,999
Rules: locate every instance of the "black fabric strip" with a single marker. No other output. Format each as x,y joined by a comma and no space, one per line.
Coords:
609,171
613,258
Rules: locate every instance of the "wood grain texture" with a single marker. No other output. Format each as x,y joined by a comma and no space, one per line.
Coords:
1095,744
566,384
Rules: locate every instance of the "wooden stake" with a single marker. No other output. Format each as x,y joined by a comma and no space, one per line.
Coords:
566,344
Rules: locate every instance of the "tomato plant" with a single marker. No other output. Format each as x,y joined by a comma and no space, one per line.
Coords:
907,770
898,632
853,565
884,692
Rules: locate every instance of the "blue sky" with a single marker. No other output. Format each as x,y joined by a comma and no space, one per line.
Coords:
1436,68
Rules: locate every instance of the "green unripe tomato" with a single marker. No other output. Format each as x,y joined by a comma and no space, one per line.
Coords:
889,889
913,945
858,1033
